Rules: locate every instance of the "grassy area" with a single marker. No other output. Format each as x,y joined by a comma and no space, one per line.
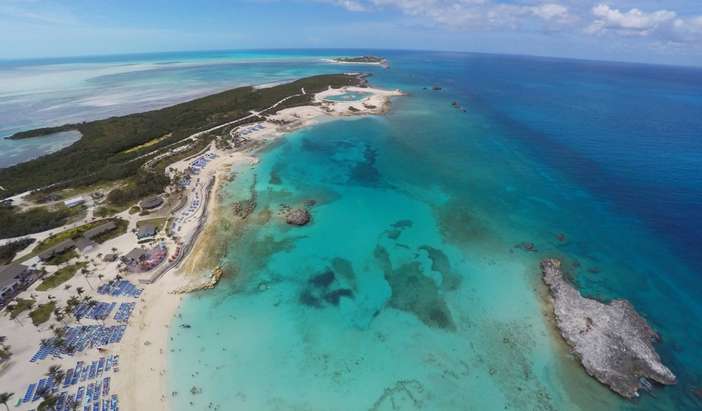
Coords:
60,277
147,144
156,222
21,306
106,211
15,223
62,258
100,155
42,313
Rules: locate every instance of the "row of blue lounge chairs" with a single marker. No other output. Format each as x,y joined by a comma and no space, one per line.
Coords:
80,373
124,312
99,311
80,338
106,404
120,288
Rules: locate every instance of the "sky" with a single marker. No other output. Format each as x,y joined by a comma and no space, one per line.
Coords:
651,31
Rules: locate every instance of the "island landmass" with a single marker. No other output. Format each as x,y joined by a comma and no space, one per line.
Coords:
363,60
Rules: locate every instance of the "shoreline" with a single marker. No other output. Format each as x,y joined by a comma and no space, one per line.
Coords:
143,383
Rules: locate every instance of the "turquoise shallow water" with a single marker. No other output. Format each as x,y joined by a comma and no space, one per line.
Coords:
429,305
348,97
445,313
407,291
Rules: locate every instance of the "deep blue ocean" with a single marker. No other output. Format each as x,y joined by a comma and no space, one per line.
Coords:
418,214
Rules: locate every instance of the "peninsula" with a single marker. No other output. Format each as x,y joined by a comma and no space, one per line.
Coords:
87,297
612,341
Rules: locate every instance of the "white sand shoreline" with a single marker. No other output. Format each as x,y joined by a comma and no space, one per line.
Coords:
143,383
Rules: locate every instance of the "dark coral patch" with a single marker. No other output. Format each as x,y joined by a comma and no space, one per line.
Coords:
414,292
323,280
308,299
334,296
441,264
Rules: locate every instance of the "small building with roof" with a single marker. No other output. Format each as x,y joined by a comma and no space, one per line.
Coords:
84,245
74,202
151,202
13,279
146,231
135,256
99,230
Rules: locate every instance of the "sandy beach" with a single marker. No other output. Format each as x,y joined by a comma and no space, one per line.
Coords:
143,383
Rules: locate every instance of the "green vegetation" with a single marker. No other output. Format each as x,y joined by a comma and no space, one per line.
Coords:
156,222
14,223
142,185
62,258
42,313
103,153
107,211
20,305
59,277
361,59
40,132
147,144
10,250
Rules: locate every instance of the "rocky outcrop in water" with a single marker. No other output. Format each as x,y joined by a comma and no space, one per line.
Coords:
613,342
208,283
298,217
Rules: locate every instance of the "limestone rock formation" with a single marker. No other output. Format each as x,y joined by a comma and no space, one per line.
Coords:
613,342
298,216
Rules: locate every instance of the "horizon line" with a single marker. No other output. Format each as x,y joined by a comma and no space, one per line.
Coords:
539,56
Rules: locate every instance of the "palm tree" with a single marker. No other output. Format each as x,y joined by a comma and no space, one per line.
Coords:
101,276
56,373
58,313
80,290
85,273
4,398
49,402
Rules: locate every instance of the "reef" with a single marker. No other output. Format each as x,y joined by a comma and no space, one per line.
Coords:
298,217
244,208
415,293
612,341
318,291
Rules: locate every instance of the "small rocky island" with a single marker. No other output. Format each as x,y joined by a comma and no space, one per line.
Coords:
613,342
363,60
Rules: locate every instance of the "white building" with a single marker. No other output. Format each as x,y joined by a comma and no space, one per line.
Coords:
74,202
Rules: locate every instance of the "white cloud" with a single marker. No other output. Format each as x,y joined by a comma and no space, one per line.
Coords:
472,14
350,5
663,26
633,21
